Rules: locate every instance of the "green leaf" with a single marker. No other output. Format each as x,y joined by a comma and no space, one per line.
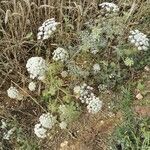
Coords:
140,86
52,90
29,35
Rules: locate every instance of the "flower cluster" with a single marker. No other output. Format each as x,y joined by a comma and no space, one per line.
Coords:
36,67
40,131
139,39
32,86
87,96
96,68
90,42
109,7
47,28
60,54
14,93
94,105
47,121
129,62
63,125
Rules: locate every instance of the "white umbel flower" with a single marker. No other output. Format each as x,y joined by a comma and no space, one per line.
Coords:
94,105
109,7
47,28
96,68
60,54
63,125
14,93
139,39
47,120
86,94
88,97
40,131
36,67
32,86
76,89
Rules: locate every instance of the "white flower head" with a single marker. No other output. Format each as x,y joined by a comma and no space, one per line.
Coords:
77,89
47,120
47,28
86,94
14,93
36,67
32,86
129,62
109,7
139,39
96,68
60,54
94,105
63,125
40,131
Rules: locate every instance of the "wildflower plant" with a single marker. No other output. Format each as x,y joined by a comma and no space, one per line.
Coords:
14,93
36,66
47,28
60,54
99,57
92,41
86,95
46,121
69,112
109,7
139,39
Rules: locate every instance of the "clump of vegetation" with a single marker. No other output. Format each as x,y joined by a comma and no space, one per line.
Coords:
134,132
135,137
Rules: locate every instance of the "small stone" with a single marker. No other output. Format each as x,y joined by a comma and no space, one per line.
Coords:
139,96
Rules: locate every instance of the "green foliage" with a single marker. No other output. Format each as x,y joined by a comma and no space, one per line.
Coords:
112,26
24,143
133,133
136,138
126,105
53,81
20,138
55,94
76,70
92,40
69,112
